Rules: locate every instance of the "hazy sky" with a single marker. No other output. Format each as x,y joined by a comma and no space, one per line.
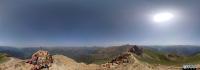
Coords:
98,22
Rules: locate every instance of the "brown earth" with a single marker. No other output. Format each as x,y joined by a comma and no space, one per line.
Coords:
64,63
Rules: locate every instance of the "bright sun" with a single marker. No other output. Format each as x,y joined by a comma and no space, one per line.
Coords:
163,17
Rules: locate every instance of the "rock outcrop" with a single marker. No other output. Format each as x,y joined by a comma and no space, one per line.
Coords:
136,50
60,63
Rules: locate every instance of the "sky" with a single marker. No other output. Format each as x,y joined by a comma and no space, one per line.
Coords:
98,22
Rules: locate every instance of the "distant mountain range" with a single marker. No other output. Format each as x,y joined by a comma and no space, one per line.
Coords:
98,54
184,50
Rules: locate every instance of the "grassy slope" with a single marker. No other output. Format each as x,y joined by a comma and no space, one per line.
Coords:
3,58
155,57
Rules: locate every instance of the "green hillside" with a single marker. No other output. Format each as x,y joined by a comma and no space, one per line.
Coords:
155,57
3,58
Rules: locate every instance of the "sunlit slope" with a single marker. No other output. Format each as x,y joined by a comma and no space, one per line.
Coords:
3,58
156,57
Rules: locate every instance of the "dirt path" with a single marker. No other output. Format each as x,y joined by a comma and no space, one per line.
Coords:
10,60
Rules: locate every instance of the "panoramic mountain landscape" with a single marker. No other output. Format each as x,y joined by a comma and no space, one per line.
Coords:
99,35
93,58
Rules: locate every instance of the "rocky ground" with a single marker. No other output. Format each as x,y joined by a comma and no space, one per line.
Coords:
64,63
60,63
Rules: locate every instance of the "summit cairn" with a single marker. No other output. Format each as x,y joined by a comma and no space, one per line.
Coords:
41,60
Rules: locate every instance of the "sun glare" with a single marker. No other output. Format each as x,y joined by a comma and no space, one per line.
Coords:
163,17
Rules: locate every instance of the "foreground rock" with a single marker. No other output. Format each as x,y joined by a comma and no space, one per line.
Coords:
60,63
